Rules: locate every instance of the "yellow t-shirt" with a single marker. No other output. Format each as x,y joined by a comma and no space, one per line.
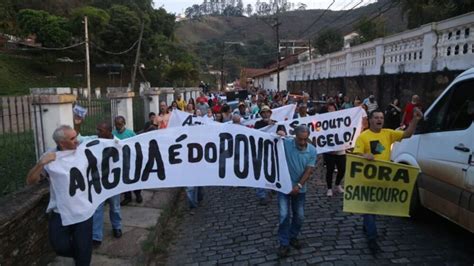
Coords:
378,144
181,104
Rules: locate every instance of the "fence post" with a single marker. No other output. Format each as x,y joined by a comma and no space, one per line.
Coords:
169,95
52,107
122,100
152,100
188,94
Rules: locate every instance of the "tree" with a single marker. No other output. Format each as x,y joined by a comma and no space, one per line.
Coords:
7,17
329,41
302,6
51,31
123,28
97,21
424,11
369,30
249,10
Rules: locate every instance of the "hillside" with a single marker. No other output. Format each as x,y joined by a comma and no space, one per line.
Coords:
292,23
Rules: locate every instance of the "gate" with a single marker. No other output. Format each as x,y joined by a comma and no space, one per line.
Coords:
17,143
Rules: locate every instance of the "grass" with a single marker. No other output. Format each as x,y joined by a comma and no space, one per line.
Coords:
16,159
19,74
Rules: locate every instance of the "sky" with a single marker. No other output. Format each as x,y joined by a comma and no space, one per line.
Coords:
178,6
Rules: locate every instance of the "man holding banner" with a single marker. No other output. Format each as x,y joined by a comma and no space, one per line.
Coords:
301,160
376,143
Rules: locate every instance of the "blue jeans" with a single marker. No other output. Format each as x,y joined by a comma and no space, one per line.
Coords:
114,215
370,226
71,241
261,193
194,195
287,231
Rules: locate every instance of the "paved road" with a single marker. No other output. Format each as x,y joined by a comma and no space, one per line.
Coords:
230,228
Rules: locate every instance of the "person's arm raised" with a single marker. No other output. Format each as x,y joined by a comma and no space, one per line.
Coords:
417,116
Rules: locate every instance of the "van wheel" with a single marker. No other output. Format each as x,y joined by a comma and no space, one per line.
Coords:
415,204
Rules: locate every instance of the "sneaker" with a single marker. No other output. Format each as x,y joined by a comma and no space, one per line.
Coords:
96,243
283,251
339,189
295,243
117,233
329,193
373,246
139,199
125,201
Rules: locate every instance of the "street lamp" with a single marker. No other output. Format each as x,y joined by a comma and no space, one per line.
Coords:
222,59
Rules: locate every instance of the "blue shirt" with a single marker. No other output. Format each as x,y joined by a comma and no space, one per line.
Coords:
298,160
127,133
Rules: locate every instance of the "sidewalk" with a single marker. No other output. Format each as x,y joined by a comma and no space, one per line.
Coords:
138,227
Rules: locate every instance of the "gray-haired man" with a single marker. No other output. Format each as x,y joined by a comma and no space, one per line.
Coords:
73,240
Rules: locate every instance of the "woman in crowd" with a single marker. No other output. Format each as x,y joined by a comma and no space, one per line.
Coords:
336,159
393,115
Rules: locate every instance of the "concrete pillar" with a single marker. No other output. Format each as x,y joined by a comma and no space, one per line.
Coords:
97,93
152,101
169,95
188,94
122,103
349,68
51,107
430,38
379,55
328,67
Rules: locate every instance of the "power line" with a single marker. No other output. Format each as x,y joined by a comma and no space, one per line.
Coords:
317,19
60,48
381,12
115,53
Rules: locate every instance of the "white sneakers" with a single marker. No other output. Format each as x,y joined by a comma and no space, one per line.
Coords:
337,189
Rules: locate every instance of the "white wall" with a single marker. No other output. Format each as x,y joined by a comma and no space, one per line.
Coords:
432,47
269,81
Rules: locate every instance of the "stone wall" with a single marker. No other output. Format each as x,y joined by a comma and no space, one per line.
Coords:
385,87
24,227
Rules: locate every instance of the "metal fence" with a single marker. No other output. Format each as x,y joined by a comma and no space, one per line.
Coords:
98,110
17,143
138,114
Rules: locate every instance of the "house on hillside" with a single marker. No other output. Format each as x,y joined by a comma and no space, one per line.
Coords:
267,78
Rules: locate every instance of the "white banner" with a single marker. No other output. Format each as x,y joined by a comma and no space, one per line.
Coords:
213,155
180,119
334,131
279,114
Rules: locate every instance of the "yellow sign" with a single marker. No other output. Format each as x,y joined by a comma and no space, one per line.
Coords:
378,187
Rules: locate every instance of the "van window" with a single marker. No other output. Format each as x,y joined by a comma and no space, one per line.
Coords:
454,110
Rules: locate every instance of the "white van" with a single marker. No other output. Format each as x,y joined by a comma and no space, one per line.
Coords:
443,148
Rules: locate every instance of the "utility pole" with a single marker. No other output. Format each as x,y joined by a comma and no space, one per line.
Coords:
88,63
277,28
222,67
309,49
137,58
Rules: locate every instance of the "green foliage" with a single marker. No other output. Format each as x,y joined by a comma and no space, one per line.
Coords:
7,17
329,41
51,31
369,30
122,30
97,21
425,11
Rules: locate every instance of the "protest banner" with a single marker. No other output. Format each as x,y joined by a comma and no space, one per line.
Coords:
378,187
334,131
212,155
179,118
279,114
